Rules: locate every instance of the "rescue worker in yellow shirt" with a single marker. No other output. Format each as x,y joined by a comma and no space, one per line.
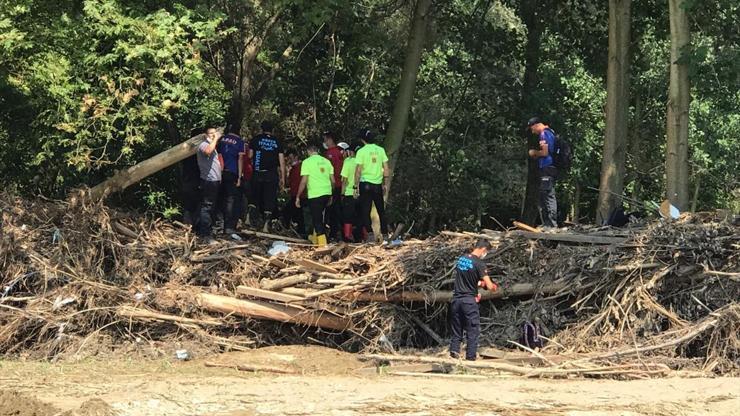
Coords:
371,181
317,175
349,203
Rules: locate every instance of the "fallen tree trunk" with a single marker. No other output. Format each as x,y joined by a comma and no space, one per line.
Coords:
516,290
263,310
139,171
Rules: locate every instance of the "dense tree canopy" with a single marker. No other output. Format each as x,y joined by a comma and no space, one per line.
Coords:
88,87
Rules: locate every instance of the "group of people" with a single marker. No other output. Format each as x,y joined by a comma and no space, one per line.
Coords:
338,187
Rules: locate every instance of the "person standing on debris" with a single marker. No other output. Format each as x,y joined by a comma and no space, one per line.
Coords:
333,152
349,202
210,165
245,178
231,149
470,273
317,175
547,170
371,181
268,160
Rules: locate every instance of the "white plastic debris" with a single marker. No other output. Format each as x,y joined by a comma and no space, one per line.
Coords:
183,355
139,296
56,237
59,302
278,247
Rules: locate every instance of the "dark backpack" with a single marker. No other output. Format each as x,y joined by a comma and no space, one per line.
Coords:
562,157
531,336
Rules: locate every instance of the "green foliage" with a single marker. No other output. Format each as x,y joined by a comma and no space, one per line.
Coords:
88,87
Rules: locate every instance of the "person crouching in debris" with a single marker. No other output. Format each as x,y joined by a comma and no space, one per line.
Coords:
470,273
317,174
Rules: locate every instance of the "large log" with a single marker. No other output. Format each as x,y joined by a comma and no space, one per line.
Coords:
570,238
263,310
139,171
515,290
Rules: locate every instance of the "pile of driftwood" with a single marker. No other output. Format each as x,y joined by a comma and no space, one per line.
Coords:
77,273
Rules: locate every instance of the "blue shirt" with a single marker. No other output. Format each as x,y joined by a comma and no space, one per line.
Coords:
229,148
548,137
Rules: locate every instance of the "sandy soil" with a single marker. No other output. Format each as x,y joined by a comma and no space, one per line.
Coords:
330,385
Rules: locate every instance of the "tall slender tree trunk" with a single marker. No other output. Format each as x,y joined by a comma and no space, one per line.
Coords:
533,21
402,106
677,128
617,105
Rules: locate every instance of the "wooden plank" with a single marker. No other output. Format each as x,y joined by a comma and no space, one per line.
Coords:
525,227
290,298
570,238
275,284
267,294
311,265
274,237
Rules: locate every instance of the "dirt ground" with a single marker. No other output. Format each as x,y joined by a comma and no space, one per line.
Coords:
330,384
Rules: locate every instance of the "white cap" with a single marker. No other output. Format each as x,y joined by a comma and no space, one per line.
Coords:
343,145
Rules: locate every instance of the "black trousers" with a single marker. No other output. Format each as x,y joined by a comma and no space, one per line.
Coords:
548,203
293,214
334,212
231,200
370,194
465,316
265,186
349,210
318,208
208,198
190,195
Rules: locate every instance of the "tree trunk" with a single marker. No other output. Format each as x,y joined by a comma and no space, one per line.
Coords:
263,310
402,106
134,174
677,129
617,106
533,20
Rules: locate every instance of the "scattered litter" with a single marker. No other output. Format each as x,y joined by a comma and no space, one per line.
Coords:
182,355
278,247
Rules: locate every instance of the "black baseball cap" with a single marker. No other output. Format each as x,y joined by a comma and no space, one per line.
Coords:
532,121
366,134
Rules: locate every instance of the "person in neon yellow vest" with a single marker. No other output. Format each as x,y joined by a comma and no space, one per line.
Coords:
317,175
349,202
371,181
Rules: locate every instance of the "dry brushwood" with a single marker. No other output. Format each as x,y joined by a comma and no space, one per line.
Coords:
76,271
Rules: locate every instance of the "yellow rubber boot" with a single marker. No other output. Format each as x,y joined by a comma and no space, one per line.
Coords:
312,238
321,240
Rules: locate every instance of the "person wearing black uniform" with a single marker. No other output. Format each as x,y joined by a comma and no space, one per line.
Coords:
268,161
470,273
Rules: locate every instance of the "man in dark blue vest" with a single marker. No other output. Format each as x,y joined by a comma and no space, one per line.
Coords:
547,170
470,273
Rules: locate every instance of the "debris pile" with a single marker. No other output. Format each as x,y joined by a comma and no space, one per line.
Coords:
78,276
